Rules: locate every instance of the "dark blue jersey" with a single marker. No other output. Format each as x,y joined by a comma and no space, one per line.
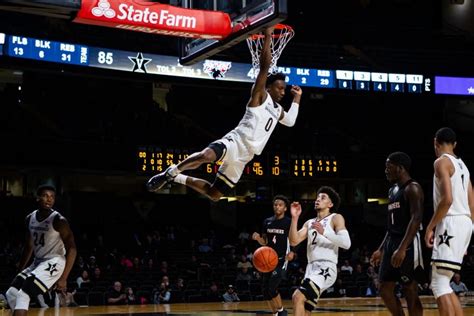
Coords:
399,215
277,231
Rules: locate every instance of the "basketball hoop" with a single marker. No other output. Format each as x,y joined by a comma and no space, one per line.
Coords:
282,34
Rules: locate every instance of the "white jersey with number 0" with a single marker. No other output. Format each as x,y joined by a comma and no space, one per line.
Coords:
47,242
319,247
459,187
258,124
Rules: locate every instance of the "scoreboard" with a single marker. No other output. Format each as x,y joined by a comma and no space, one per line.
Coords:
153,64
44,50
152,160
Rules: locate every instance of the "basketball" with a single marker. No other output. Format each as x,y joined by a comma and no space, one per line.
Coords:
265,259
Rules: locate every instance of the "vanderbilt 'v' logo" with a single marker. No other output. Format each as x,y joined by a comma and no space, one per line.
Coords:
444,238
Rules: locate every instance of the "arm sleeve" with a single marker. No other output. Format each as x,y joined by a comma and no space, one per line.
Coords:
289,118
340,239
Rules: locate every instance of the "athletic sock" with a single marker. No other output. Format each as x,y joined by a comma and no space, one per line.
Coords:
174,171
180,178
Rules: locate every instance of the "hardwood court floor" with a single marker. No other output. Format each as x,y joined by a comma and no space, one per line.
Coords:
326,307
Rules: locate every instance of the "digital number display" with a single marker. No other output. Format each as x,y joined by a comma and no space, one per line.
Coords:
312,77
31,48
382,82
152,160
309,166
155,160
153,64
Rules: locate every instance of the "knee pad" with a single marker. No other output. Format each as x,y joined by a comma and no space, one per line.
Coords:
440,279
22,301
312,292
11,294
309,306
19,280
33,287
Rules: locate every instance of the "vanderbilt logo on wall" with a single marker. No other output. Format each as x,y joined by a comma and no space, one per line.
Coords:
157,18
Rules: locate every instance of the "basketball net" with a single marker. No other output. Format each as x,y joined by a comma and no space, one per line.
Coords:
281,35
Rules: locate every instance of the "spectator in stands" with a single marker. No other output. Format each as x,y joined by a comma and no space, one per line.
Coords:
92,263
244,236
204,247
347,267
458,286
162,295
179,285
222,263
166,280
373,282
230,295
244,275
358,275
163,268
340,288
150,266
137,265
126,263
83,279
244,263
131,298
96,276
213,294
116,295
80,264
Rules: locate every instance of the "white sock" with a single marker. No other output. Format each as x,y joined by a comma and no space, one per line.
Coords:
180,178
11,297
174,171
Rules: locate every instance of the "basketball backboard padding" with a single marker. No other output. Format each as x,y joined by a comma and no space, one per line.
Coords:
249,20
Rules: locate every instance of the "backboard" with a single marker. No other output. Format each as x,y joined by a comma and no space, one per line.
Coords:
247,16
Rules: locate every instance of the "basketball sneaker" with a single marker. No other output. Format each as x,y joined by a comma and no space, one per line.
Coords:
283,313
159,181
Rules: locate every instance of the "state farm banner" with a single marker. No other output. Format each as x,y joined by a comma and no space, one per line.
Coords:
153,17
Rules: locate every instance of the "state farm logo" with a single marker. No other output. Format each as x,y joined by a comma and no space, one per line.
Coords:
133,14
103,9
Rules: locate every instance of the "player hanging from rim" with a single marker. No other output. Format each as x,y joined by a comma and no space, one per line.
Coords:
249,138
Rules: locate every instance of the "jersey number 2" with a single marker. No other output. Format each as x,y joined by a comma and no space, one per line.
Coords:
315,234
39,239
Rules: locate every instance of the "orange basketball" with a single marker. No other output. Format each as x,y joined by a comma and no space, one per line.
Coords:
265,259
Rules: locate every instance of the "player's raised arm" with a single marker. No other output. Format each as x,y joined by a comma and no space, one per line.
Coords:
296,236
258,93
289,118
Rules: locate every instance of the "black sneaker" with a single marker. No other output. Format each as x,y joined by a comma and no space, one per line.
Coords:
159,181
283,313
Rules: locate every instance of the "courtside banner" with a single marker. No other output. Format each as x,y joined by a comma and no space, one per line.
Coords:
153,17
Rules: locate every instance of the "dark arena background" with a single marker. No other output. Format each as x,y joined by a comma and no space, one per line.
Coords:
96,111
